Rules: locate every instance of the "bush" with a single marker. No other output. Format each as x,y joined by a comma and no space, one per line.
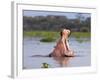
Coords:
47,39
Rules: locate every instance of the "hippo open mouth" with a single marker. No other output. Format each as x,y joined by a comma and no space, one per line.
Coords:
62,47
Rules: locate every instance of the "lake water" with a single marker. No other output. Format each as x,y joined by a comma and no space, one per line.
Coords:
33,46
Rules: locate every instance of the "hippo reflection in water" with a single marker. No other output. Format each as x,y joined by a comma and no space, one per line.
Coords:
63,61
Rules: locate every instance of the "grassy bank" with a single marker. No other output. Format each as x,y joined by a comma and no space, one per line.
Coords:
41,33
81,34
49,36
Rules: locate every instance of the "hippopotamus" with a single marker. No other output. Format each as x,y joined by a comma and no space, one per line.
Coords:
62,48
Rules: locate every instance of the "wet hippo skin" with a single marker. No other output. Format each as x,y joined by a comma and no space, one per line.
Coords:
62,48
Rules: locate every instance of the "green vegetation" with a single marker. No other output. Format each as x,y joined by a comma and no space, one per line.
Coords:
50,36
47,39
80,34
45,65
41,33
47,36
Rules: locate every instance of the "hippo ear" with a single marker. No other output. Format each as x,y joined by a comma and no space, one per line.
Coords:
61,33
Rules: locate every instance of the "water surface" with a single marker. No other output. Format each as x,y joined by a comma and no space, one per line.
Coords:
33,46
